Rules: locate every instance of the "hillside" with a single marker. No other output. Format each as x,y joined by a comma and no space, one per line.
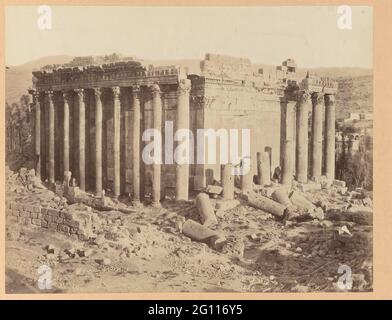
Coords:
18,78
355,84
355,94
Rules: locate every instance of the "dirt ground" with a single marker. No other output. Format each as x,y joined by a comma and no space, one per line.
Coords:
144,250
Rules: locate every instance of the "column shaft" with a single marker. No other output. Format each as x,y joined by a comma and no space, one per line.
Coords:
98,141
246,177
330,136
82,139
317,134
301,160
157,123
136,145
51,137
116,140
182,169
227,180
37,134
287,163
66,133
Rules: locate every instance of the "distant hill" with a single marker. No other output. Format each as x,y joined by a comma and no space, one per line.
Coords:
355,84
18,78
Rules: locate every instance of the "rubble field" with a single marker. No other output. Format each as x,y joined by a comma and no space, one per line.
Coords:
145,249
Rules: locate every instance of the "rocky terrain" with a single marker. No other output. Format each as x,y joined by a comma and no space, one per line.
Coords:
145,249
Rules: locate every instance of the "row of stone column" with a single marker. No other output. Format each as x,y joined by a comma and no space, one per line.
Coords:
182,171
322,104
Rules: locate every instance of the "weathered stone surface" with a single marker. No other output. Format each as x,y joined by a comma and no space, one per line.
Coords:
281,196
299,199
206,210
266,204
201,233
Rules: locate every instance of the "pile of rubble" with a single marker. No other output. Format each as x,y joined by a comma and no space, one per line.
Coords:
217,228
22,181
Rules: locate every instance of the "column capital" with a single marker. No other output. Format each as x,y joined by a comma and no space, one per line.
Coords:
50,95
329,99
66,95
184,86
97,92
303,96
79,93
135,89
155,89
317,97
35,95
116,92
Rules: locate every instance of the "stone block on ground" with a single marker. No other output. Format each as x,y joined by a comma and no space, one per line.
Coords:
201,233
266,204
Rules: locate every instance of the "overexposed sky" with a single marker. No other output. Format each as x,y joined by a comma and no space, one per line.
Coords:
264,34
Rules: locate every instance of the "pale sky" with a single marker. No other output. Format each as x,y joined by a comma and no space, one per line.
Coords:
267,35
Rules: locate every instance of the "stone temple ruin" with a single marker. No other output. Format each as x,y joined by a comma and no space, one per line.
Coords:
89,119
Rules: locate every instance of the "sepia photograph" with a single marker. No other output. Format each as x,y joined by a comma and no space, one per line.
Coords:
188,149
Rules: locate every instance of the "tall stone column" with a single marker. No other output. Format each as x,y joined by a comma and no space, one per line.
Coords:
246,177
82,138
157,124
183,109
136,145
287,163
66,131
330,136
301,160
116,140
98,141
227,181
51,137
37,131
317,135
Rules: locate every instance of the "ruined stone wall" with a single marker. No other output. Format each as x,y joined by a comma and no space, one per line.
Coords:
75,224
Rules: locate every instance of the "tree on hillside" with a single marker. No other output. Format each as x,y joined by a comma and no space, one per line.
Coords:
18,129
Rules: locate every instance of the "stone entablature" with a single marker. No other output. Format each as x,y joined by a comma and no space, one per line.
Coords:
314,83
123,74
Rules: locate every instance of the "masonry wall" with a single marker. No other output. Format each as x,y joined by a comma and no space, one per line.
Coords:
239,107
73,224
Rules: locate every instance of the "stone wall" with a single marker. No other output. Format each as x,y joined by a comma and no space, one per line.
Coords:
240,107
75,224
